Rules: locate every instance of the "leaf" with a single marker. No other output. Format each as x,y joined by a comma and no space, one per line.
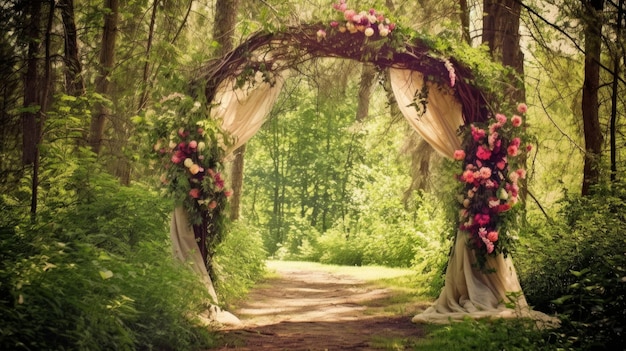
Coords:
562,299
106,274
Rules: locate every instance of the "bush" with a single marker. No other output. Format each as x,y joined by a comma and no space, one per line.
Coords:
487,335
587,285
97,274
239,262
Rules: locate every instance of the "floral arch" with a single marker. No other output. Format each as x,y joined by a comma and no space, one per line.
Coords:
445,99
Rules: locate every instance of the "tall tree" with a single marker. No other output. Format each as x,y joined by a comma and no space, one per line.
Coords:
223,29
501,21
36,87
590,104
74,82
106,63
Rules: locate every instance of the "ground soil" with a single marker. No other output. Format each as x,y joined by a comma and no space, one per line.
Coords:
305,309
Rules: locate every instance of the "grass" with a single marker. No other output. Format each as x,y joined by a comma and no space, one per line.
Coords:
386,276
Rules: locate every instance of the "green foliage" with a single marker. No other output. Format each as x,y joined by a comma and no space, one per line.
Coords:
488,335
586,286
239,262
97,274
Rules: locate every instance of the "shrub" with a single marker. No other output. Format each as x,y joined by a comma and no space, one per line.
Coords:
587,285
239,262
97,274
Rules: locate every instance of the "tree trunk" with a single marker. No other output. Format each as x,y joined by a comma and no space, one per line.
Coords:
237,170
32,103
368,76
143,98
36,91
614,95
107,60
465,21
223,28
590,104
74,83
501,33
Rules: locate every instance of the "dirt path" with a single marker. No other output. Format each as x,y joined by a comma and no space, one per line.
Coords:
317,310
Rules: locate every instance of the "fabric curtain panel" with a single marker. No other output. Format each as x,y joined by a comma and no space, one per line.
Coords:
244,110
439,123
467,290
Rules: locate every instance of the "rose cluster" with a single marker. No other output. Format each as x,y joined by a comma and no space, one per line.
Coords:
490,187
370,22
191,159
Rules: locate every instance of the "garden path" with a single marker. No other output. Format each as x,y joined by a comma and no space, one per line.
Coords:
313,309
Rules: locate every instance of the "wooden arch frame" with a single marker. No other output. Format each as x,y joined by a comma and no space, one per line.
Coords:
277,51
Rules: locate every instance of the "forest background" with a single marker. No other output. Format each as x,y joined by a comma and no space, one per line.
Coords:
335,175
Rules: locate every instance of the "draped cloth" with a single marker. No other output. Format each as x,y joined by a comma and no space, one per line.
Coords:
467,292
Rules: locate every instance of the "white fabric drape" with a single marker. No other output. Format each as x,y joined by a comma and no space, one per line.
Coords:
439,124
243,110
467,291
186,248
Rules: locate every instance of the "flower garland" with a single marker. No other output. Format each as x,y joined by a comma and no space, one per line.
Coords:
191,157
491,159
371,23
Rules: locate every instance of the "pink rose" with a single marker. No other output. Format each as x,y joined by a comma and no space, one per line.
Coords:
459,155
492,236
493,137
334,24
516,142
485,172
477,133
516,121
468,176
228,193
212,204
176,159
512,150
529,147
513,176
501,164
483,153
195,193
522,173
501,118
349,14
482,219
522,108
193,144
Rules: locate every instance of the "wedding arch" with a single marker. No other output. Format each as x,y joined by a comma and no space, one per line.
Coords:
445,99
